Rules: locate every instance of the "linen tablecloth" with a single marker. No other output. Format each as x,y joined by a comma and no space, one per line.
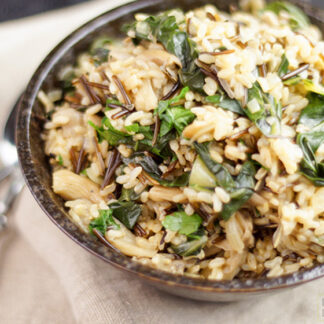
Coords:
47,278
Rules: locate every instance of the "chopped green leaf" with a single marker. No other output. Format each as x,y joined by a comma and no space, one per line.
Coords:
264,110
104,221
313,113
151,167
128,195
98,50
190,247
174,116
112,101
60,159
215,99
100,55
177,117
283,67
165,30
201,176
84,172
309,143
99,43
136,128
221,174
310,86
292,81
182,223
110,134
126,212
240,189
297,17
226,103
313,117
244,189
163,105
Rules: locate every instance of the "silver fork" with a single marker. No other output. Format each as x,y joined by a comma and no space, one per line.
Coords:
15,186
9,158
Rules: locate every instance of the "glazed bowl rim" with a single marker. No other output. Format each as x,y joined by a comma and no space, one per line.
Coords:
32,179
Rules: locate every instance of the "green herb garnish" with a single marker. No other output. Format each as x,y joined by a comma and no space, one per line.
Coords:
104,221
182,223
60,160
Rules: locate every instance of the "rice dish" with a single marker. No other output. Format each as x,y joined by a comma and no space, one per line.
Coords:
195,145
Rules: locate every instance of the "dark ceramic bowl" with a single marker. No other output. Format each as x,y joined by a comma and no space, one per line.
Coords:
38,176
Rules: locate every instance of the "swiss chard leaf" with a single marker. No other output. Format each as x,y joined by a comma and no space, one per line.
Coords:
60,160
136,128
182,223
98,51
226,103
310,86
104,221
128,195
113,136
283,67
313,114
240,188
313,117
264,110
297,17
292,81
243,191
174,116
177,117
190,247
165,30
150,166
112,101
222,175
310,168
126,212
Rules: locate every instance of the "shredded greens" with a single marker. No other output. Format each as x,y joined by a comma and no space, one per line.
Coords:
264,110
313,118
151,167
283,67
297,19
191,227
191,247
225,102
115,137
126,212
173,115
60,160
98,50
164,29
104,221
240,188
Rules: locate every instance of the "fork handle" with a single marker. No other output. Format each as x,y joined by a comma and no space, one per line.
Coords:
5,171
15,187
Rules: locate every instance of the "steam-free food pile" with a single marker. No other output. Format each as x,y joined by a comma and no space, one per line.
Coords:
195,145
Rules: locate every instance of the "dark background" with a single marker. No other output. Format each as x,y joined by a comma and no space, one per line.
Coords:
11,9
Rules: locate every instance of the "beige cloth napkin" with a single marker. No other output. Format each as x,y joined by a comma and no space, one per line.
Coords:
47,278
